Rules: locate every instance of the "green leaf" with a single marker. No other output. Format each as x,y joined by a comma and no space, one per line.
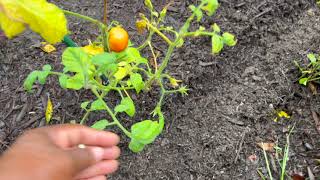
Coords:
107,68
303,81
63,80
135,146
143,133
211,7
312,57
127,106
39,15
217,44
216,28
141,60
106,62
85,104
46,67
155,14
149,5
198,12
121,108
42,76
97,105
163,13
104,59
100,125
30,80
76,60
75,82
132,54
229,39
137,81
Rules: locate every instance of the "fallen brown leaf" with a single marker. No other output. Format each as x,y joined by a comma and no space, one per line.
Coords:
266,146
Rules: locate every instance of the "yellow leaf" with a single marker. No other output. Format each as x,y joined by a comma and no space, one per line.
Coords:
10,27
48,48
141,26
121,73
40,16
283,114
92,49
49,110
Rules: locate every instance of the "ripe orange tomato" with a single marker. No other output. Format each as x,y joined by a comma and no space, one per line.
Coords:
118,39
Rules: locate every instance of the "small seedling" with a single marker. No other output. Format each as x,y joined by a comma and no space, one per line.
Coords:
113,63
282,157
311,71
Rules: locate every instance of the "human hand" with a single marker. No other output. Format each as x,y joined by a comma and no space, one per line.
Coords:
53,153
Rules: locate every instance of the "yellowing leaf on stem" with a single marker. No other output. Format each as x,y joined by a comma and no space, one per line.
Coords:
40,16
92,49
141,26
49,110
174,82
10,27
122,72
48,48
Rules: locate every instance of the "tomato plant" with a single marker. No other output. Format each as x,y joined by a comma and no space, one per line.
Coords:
109,57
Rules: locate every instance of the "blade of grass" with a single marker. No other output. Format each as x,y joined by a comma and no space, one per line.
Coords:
268,165
285,156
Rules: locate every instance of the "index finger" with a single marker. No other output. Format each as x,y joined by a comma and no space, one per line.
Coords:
67,136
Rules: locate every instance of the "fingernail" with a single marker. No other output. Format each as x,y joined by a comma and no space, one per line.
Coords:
98,153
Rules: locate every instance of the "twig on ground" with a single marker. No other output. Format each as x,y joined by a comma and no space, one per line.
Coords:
261,14
30,122
201,63
22,113
240,145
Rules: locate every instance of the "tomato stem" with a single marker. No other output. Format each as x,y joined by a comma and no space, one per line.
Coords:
85,117
87,18
156,30
114,118
204,33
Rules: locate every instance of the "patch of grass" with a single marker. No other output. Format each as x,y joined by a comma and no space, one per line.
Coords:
282,162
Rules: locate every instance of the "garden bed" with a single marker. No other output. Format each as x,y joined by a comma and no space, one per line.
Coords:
210,133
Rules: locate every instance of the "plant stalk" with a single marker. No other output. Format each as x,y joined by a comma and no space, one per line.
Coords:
114,118
85,117
87,18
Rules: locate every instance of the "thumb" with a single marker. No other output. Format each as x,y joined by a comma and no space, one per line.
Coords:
83,158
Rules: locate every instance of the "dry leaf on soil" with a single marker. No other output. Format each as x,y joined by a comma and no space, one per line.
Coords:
266,146
49,110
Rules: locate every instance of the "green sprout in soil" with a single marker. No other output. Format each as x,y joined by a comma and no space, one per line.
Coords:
282,157
127,71
310,73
